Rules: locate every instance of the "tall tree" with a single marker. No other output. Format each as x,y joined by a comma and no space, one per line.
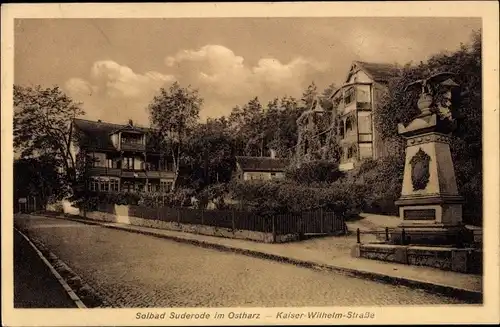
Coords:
309,95
173,113
326,102
42,126
210,153
246,123
285,127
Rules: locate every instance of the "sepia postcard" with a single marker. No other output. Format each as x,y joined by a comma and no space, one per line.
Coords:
301,163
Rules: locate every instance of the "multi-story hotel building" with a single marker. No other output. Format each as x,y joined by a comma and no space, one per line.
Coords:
123,157
356,103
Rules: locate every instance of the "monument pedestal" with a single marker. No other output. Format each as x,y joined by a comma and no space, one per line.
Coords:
431,232
430,206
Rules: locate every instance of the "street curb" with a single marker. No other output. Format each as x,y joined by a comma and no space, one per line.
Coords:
450,291
71,293
80,291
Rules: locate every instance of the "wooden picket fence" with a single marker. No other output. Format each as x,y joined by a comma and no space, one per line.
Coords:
307,222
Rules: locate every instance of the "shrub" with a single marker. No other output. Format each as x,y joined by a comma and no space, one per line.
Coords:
377,184
215,193
91,200
320,171
272,197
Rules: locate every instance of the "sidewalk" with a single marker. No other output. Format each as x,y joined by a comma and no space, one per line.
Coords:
329,253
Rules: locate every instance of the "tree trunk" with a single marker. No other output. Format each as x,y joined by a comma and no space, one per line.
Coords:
176,170
174,182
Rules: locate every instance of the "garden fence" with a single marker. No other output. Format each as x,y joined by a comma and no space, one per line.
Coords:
307,222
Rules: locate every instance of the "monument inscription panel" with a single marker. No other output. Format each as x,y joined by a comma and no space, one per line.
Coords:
419,214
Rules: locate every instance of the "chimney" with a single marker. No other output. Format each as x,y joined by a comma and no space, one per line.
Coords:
273,153
131,122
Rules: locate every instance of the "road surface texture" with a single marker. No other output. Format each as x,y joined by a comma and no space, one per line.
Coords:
34,285
134,270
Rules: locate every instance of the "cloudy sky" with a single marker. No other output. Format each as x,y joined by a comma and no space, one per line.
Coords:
115,66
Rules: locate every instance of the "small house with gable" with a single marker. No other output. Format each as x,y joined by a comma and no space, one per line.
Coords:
260,168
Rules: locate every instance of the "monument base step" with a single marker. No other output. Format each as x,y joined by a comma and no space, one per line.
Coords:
433,235
464,260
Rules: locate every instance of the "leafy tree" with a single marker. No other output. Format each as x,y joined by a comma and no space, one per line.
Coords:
210,153
258,129
283,123
173,113
309,95
325,97
38,177
42,125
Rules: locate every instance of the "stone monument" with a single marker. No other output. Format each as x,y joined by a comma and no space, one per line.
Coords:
430,206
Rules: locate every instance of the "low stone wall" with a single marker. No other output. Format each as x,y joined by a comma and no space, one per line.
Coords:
466,260
64,206
432,257
123,218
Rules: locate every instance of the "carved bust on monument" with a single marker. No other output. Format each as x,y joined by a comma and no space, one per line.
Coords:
430,206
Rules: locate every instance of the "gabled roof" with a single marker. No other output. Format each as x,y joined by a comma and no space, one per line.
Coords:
98,133
264,164
379,72
129,128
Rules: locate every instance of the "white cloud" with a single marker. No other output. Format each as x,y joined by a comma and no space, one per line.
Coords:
219,73
79,87
122,81
223,78
114,92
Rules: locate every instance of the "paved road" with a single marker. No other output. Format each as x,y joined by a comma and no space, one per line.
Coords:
34,285
135,270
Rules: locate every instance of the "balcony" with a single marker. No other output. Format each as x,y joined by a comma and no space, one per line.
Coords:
346,108
160,174
132,146
129,173
105,171
143,174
